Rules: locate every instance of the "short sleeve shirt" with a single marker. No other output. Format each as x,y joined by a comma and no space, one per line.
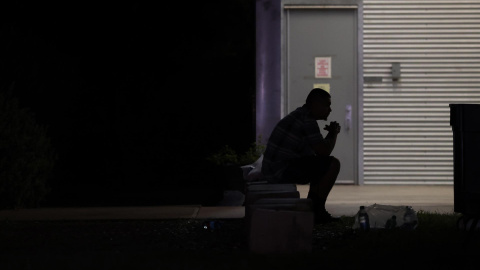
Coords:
291,138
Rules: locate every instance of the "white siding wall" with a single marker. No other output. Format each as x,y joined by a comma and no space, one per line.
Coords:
407,133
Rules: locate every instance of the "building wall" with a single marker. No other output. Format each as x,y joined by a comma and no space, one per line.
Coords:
407,137
405,131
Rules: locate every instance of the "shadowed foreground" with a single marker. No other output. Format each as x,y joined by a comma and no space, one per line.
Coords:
185,244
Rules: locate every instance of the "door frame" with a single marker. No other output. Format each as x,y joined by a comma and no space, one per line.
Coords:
357,6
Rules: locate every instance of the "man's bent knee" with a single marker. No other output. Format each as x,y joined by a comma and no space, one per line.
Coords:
335,164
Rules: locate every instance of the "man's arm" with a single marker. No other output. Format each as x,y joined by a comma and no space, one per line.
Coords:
325,147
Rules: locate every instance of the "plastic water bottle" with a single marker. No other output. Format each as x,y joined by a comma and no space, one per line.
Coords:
409,220
363,219
391,222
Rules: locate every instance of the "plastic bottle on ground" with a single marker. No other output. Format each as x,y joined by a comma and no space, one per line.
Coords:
409,220
363,219
391,222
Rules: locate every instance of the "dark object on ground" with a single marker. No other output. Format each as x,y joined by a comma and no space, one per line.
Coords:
466,147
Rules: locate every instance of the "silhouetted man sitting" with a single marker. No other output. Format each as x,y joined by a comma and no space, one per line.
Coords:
297,152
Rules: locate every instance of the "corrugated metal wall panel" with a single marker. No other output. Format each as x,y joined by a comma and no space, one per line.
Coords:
406,124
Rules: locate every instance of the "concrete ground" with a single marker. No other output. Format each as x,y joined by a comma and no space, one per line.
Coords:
344,200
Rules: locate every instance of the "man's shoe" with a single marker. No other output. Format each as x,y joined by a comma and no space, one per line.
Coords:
324,217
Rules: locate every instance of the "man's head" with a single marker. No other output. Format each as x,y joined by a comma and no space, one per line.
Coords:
318,103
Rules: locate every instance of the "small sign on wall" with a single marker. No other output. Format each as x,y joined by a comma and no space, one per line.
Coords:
323,67
324,86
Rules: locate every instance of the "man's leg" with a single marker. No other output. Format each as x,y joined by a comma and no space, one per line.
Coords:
319,190
321,173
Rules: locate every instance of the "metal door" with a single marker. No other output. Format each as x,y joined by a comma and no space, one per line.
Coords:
321,50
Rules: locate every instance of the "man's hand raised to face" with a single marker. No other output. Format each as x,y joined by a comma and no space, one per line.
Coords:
333,127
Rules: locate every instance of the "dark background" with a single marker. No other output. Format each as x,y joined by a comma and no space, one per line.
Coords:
134,96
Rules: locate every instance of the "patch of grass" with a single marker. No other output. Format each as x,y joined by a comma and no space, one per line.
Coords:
436,243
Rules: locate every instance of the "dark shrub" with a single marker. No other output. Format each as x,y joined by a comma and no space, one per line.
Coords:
26,156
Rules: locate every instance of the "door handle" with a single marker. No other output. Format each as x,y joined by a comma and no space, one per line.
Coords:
348,117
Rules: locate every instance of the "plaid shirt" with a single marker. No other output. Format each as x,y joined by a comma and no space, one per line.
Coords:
291,138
